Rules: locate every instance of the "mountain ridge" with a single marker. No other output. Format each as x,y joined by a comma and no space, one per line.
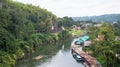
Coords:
99,18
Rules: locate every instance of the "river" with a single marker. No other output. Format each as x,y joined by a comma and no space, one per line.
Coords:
60,58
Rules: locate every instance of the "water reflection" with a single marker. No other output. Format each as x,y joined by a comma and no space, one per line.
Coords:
52,58
61,59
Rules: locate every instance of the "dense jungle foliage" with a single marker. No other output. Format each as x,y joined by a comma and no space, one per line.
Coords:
23,27
19,27
106,49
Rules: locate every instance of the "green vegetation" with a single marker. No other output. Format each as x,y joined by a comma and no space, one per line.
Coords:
117,28
77,32
101,18
105,50
63,35
24,27
19,24
66,22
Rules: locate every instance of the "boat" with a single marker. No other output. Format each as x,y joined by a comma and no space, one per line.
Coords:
77,57
81,56
81,40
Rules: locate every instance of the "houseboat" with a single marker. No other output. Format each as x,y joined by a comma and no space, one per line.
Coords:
80,55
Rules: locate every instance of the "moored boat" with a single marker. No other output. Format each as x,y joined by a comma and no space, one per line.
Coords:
81,56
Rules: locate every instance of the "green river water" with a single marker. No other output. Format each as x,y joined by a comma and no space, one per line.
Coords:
53,56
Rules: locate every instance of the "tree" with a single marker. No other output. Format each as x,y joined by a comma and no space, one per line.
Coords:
65,22
117,28
103,50
4,18
18,23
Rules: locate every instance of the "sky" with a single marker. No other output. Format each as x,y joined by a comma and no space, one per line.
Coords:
77,8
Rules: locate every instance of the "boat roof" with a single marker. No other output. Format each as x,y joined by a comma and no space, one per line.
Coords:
82,39
78,56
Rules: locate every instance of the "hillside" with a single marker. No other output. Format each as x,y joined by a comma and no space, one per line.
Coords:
19,24
101,18
25,27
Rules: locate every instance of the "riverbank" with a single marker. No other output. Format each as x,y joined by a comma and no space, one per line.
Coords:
47,51
53,56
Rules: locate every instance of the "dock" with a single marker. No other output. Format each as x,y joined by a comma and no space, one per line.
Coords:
89,61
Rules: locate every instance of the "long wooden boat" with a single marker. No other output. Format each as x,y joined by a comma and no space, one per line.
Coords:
89,61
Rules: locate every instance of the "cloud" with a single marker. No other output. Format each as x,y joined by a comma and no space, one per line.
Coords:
77,7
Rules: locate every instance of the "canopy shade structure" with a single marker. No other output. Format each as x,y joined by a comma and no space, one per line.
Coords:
83,39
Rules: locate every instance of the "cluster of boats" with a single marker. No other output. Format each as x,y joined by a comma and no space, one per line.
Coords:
80,55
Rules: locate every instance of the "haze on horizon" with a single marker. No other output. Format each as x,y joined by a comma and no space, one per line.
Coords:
77,8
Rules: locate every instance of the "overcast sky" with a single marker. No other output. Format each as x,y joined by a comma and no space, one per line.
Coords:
74,8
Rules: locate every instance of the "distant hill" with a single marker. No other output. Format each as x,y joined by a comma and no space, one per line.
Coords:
101,18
